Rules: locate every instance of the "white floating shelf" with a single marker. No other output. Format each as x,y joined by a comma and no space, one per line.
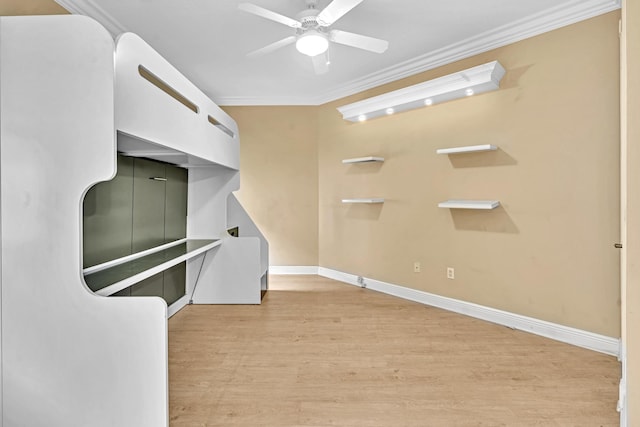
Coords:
469,204
363,160
467,149
369,200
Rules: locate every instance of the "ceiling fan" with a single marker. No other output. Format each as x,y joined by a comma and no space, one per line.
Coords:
312,32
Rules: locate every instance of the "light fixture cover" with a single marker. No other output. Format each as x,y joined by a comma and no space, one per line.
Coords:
312,43
481,78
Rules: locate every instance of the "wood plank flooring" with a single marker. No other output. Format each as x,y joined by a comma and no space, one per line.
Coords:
321,353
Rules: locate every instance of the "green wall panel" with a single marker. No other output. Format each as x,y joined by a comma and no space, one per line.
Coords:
107,212
126,292
148,204
151,287
174,283
175,216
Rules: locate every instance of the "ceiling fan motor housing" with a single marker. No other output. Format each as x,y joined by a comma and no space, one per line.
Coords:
309,19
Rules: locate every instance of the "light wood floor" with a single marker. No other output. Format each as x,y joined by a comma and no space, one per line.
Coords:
321,353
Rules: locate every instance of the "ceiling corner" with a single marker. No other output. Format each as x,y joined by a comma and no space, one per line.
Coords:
92,10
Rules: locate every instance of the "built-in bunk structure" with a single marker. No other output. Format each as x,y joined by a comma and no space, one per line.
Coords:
74,105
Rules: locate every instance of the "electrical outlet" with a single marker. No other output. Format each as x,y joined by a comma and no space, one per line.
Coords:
451,273
416,267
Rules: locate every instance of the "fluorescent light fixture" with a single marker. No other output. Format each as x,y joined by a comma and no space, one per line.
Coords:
312,43
476,80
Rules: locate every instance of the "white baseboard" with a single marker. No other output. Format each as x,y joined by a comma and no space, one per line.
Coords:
566,334
622,405
293,269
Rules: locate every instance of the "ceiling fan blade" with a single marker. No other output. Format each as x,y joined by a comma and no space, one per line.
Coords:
336,10
273,16
271,47
358,40
321,63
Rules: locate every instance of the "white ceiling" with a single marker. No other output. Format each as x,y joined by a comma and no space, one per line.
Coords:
207,40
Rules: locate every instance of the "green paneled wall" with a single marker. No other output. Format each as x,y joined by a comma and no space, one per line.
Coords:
149,189
173,285
108,212
175,209
144,206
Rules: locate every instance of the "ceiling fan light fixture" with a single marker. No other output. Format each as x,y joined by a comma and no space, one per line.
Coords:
312,43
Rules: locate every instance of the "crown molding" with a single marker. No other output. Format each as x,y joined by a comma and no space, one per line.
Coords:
567,13
92,10
268,100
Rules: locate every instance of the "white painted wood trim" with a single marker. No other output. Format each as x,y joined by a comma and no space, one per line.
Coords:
292,269
622,405
469,204
363,160
566,334
467,149
364,200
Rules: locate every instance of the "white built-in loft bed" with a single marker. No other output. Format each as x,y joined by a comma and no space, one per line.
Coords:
70,356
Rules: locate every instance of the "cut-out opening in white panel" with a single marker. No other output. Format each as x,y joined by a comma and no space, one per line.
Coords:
221,127
166,88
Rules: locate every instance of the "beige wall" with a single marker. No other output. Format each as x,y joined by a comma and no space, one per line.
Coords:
30,7
631,122
279,178
548,251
